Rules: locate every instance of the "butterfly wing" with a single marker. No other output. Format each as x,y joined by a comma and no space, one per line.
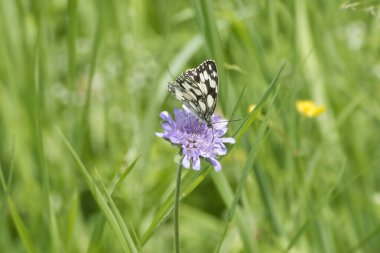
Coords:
198,89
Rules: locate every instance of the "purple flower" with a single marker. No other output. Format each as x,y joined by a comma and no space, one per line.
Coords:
195,138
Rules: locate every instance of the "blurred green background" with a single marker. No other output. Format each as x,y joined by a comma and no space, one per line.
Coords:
81,87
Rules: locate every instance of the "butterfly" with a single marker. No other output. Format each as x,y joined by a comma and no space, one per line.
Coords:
197,89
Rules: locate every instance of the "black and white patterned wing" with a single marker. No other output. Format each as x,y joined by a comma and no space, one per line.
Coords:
198,89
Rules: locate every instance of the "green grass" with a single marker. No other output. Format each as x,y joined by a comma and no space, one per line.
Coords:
82,84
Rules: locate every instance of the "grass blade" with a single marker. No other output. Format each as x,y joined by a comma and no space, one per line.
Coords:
17,220
251,117
98,230
125,173
252,157
102,199
237,103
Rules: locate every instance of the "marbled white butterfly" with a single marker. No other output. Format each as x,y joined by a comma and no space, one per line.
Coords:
198,89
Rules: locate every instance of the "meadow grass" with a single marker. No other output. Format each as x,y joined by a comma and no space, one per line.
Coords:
82,84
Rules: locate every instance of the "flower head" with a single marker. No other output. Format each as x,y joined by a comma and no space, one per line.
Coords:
195,138
309,108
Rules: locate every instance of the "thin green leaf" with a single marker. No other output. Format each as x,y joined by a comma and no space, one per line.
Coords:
252,157
367,238
99,227
96,236
95,51
17,220
251,117
117,214
238,102
112,216
123,176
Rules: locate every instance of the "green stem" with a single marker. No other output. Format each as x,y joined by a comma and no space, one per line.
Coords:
176,206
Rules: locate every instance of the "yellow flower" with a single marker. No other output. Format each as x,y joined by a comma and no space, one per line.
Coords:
251,108
309,108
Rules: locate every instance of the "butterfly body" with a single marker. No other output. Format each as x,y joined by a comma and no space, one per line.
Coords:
197,89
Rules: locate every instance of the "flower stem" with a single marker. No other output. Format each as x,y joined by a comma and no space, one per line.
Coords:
176,206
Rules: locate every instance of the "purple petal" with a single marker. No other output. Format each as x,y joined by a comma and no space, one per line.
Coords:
186,109
174,140
228,140
216,164
186,162
216,118
167,127
185,151
221,125
179,114
220,149
221,132
196,163
166,116
160,134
